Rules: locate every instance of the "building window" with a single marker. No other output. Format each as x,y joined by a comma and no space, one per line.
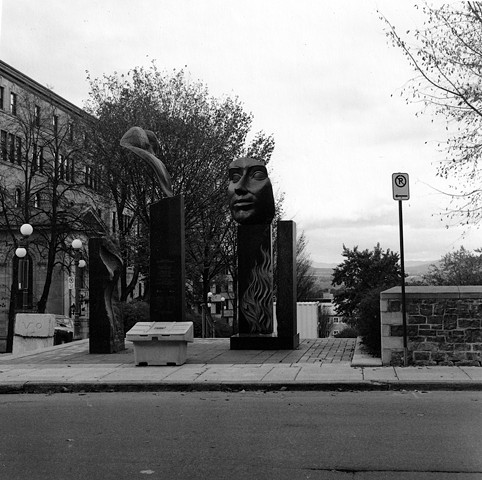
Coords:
2,98
18,197
19,150
89,178
55,124
37,116
13,103
126,222
71,132
3,139
336,320
336,332
25,281
36,200
114,222
62,168
11,147
38,158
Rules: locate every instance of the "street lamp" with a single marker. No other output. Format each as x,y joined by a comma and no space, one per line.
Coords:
79,264
205,305
213,322
222,307
24,263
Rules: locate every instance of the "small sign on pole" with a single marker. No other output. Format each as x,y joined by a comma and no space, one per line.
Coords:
71,282
400,187
401,192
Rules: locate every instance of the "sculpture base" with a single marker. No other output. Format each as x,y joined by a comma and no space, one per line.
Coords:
263,342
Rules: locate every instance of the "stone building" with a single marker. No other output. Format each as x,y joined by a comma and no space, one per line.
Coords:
46,181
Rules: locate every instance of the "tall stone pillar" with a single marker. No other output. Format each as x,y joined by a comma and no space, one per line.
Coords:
167,262
286,308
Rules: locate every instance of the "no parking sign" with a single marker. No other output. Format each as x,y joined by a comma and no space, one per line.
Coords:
400,186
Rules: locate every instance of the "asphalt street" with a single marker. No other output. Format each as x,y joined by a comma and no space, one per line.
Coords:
242,435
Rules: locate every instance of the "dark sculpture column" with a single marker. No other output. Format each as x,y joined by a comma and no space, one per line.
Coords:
167,261
106,326
286,308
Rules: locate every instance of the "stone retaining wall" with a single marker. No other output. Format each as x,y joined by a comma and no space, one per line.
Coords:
444,325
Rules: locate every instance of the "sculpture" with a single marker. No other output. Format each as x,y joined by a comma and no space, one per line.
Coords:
106,328
145,145
167,232
251,203
250,192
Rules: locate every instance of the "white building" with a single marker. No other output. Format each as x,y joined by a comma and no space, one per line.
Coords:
330,322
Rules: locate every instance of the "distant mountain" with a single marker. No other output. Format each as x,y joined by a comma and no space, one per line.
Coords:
418,267
412,267
323,265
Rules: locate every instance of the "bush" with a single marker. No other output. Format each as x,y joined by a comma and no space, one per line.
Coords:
348,332
369,322
196,319
133,312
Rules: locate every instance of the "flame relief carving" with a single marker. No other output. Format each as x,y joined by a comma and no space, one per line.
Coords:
257,302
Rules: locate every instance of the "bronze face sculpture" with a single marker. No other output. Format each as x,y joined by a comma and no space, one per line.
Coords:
250,192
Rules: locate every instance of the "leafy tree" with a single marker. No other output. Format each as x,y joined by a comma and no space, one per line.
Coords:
198,137
462,267
447,57
323,321
362,276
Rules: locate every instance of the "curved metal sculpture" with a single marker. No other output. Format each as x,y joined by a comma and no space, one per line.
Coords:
106,326
145,145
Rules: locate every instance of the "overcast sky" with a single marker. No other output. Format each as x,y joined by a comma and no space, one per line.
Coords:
318,75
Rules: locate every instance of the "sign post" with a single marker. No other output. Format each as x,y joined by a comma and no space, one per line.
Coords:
400,187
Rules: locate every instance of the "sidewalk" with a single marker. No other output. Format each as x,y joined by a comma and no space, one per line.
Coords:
319,364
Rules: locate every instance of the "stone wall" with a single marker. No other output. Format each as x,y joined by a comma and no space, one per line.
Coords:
444,325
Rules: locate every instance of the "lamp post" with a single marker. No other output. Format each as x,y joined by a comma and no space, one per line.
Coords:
24,263
222,307
79,263
206,304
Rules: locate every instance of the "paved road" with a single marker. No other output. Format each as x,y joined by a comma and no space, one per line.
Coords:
246,435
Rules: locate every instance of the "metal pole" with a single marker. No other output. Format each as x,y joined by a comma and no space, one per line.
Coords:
203,320
77,298
402,265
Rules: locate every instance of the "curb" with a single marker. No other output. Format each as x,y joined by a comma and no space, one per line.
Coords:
66,387
362,359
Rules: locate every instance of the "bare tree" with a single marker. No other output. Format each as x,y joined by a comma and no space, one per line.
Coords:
305,280
446,54
42,183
